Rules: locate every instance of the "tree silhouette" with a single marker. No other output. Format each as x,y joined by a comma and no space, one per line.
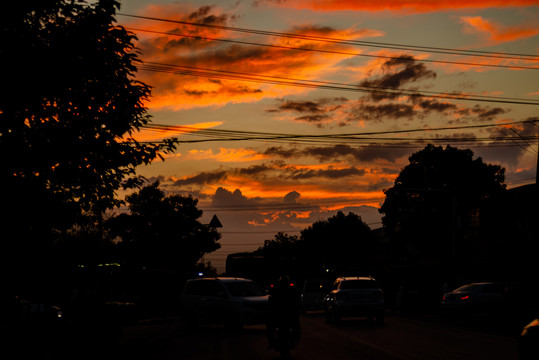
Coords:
163,232
430,211
67,115
282,255
69,112
341,243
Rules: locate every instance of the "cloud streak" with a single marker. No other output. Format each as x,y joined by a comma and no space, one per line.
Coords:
497,33
415,6
195,49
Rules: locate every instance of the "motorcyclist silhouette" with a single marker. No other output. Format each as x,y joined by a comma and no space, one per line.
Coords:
283,327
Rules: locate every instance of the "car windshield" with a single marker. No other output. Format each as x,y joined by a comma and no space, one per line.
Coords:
358,284
469,288
244,288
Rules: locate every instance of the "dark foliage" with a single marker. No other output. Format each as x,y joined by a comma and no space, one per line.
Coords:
341,244
431,211
163,232
68,110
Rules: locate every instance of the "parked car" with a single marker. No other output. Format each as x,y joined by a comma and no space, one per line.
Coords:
231,301
313,293
355,296
484,296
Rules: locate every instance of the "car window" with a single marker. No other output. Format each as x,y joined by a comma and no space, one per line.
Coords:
466,288
193,288
244,288
493,288
358,284
204,288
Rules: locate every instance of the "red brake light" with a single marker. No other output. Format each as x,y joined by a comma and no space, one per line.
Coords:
464,297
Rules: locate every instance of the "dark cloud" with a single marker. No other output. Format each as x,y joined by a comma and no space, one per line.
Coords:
230,90
299,174
432,104
310,106
366,111
329,152
317,119
316,111
380,185
197,93
291,197
374,152
412,72
481,113
389,171
301,106
497,153
281,152
337,152
203,15
243,90
202,178
487,113
310,29
223,196
255,169
397,72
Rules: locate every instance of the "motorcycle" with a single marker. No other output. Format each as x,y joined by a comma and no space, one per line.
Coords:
283,323
286,339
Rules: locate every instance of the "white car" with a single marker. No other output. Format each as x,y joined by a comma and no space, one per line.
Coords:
231,301
353,297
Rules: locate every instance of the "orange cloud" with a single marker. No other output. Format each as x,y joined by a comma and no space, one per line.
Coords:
401,5
228,155
159,134
192,48
497,33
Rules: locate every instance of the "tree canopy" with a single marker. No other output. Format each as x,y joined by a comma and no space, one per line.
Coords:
68,113
435,200
340,243
163,232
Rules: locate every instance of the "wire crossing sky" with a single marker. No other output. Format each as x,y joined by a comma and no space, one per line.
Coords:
288,111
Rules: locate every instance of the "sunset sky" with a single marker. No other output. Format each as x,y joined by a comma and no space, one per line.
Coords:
292,110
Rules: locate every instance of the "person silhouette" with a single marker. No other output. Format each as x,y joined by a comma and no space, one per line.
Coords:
284,310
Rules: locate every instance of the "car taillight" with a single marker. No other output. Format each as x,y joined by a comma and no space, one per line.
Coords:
464,297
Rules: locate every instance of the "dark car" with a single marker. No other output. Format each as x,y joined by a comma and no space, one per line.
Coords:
353,297
484,296
231,301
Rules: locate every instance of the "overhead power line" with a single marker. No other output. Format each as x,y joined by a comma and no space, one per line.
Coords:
286,81
474,64
408,47
378,138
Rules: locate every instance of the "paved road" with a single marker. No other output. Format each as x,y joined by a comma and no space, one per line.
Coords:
400,338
